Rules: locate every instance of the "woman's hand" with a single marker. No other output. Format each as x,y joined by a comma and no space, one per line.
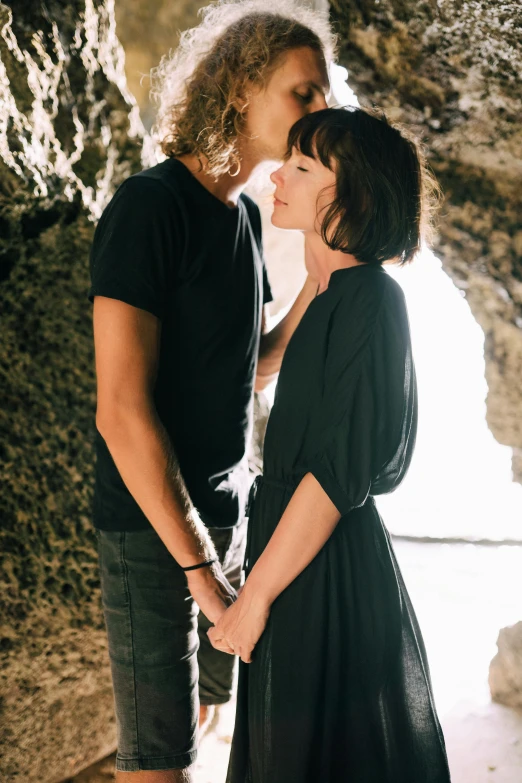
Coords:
240,627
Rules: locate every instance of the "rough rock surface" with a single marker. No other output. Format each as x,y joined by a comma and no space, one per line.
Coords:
69,133
505,671
452,70
148,30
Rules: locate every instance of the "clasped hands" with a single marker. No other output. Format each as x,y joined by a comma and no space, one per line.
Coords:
240,626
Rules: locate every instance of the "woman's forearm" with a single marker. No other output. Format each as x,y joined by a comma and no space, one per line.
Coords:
306,525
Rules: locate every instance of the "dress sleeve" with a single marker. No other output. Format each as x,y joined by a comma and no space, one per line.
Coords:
135,246
360,427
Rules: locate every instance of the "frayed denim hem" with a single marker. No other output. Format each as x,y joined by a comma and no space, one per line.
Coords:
179,761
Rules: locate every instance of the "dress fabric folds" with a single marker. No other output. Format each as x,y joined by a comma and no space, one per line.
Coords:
339,688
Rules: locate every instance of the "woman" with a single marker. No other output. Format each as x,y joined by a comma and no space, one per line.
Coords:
337,687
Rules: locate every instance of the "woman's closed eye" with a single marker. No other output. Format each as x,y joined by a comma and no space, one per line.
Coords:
300,168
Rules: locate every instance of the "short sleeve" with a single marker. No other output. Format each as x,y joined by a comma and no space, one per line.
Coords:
364,426
267,290
136,246
255,220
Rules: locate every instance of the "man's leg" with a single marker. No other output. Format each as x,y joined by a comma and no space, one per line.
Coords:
217,669
151,623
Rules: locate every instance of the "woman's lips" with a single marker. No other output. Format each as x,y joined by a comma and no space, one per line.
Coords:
279,203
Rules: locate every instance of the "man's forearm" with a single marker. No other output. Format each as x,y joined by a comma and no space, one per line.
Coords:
145,458
306,525
273,343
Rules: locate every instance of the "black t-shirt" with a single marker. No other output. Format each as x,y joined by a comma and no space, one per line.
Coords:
165,244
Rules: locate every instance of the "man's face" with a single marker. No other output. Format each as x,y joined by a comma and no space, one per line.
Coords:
297,87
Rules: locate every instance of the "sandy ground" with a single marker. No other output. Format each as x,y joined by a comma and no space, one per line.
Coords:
462,595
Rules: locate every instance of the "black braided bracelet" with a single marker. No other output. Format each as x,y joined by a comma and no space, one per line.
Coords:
199,565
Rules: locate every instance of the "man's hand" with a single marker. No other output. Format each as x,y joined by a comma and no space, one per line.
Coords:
211,590
241,626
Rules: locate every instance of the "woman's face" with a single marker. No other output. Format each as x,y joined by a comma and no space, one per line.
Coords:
304,190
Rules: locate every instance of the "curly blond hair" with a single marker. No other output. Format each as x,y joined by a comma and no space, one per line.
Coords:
199,86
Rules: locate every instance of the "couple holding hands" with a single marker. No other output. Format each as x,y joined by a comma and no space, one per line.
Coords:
300,582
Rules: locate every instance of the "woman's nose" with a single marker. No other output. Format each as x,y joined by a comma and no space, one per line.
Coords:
276,177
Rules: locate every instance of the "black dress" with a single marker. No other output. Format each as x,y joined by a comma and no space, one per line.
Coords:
339,689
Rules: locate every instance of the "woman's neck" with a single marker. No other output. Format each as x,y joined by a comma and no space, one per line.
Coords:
321,260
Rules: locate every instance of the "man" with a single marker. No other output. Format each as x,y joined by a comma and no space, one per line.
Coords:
178,283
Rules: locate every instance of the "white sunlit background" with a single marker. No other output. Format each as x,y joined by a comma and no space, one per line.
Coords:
460,482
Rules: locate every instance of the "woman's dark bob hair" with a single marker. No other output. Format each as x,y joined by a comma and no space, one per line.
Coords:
385,194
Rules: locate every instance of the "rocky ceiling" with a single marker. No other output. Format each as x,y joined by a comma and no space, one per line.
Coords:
452,70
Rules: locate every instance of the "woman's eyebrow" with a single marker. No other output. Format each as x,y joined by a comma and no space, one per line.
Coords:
306,157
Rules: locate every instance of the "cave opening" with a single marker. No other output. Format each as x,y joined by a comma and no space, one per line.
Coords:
460,483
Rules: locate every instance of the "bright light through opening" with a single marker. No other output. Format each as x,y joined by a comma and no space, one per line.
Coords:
459,483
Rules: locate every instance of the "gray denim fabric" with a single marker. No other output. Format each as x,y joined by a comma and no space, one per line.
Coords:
162,662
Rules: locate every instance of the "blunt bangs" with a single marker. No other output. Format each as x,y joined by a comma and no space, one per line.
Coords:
316,137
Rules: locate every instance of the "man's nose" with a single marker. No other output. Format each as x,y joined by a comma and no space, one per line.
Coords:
318,103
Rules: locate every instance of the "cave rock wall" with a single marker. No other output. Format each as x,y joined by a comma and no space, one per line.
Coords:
69,133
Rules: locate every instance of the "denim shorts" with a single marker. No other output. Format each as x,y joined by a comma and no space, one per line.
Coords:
163,665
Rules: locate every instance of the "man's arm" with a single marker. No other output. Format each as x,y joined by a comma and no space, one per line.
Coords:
127,343
273,343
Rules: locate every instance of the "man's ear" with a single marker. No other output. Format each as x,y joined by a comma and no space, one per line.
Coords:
240,103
